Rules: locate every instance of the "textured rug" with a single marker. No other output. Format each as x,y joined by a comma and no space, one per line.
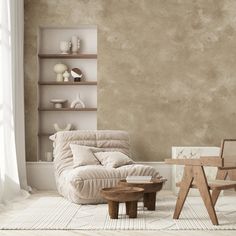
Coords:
54,213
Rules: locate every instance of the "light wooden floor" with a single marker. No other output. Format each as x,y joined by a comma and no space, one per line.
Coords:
5,214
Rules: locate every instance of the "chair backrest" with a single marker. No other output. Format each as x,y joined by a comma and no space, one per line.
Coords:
110,140
228,152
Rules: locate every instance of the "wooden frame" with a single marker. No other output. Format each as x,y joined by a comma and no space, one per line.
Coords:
194,177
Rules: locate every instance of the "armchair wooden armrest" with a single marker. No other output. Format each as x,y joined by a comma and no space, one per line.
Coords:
202,161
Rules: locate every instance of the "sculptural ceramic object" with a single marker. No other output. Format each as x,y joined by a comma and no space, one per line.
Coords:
65,47
66,76
58,103
77,103
59,69
76,74
75,44
58,128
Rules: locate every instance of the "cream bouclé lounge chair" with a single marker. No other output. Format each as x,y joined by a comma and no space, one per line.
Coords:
83,184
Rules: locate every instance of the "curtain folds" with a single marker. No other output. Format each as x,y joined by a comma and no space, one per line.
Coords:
12,147
17,39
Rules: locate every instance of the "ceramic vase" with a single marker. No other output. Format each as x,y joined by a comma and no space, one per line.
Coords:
75,44
66,76
65,47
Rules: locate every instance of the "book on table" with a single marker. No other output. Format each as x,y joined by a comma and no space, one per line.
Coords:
138,179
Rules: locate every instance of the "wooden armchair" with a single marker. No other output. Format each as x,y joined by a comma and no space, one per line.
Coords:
194,177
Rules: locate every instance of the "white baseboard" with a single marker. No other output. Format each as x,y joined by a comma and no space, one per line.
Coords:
40,175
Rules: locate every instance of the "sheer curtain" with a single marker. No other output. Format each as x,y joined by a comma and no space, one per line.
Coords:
12,158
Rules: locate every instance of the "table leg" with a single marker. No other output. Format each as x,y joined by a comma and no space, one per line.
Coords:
113,209
133,209
127,205
149,201
145,199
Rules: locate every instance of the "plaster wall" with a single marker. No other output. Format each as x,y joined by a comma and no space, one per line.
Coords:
166,69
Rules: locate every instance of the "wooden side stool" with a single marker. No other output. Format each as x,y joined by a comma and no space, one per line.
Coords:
129,195
150,190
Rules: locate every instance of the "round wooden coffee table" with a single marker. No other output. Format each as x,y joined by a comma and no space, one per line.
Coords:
129,195
150,190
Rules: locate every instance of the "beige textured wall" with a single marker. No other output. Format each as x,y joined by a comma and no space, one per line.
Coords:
166,69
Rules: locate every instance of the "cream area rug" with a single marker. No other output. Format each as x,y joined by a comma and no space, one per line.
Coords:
52,213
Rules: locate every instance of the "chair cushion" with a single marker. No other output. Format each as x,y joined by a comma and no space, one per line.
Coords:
109,140
83,155
221,184
113,159
83,184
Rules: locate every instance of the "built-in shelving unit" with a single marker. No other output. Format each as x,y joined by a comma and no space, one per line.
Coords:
48,88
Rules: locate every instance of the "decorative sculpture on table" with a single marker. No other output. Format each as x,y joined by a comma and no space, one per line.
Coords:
77,103
59,69
76,74
75,44
65,47
66,76
58,128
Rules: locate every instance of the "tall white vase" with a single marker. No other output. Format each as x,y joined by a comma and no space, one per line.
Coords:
75,44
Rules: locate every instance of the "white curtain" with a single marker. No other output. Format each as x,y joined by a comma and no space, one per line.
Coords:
12,147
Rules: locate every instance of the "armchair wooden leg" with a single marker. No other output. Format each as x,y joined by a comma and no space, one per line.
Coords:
183,191
221,175
201,182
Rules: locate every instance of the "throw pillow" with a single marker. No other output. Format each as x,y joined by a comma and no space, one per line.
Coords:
113,159
83,155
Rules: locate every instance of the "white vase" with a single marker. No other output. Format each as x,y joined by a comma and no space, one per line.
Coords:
65,47
75,44
66,76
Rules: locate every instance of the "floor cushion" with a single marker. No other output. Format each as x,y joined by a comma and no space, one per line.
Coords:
83,184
